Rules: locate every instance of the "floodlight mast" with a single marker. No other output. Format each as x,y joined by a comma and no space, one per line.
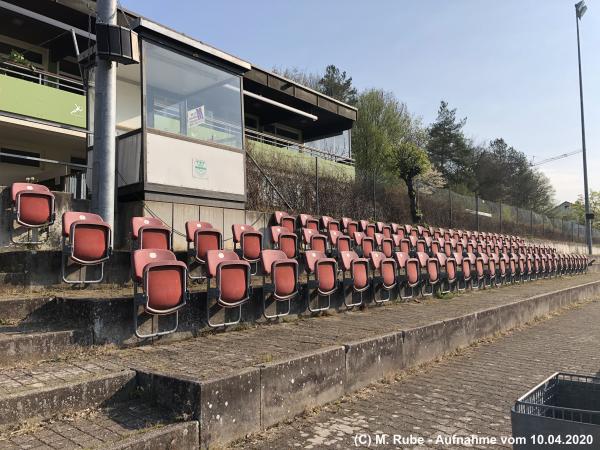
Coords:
580,9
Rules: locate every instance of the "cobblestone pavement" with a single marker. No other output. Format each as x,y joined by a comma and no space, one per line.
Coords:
217,354
88,429
469,393
51,374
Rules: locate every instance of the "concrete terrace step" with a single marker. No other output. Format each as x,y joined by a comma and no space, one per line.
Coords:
221,353
50,388
128,425
18,345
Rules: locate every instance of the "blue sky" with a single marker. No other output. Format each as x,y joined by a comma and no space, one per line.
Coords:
509,66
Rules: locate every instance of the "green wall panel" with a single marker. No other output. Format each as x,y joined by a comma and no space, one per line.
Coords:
42,102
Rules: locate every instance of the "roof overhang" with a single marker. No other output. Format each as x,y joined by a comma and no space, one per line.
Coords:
145,24
302,105
303,93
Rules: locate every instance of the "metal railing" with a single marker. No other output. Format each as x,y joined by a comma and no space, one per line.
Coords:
274,141
39,76
73,183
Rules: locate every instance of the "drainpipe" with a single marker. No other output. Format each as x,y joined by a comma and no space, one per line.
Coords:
103,179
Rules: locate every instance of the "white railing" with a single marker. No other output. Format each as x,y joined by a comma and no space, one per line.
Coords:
42,77
268,139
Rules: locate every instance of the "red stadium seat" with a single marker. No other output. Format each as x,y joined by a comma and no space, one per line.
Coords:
285,220
339,241
308,221
358,237
250,242
284,285
384,275
150,233
232,283
351,228
201,237
359,279
371,230
313,240
465,271
366,246
33,208
430,273
408,273
387,247
448,271
159,283
324,271
86,241
285,241
405,245
329,223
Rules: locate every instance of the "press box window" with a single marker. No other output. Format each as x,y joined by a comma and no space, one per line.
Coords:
188,97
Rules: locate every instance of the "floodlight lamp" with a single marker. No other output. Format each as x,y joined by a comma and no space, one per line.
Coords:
580,9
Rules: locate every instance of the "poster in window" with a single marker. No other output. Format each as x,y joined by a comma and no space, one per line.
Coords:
196,116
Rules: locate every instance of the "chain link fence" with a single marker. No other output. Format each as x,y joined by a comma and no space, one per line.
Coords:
301,183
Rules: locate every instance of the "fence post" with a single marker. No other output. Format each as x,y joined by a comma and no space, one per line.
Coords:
374,208
477,211
531,221
543,225
500,217
450,206
317,184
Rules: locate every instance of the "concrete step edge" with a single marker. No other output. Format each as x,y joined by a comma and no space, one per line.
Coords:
47,402
182,436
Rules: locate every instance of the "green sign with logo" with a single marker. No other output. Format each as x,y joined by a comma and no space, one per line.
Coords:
200,170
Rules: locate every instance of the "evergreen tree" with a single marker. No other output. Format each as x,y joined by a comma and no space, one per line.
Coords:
449,151
338,85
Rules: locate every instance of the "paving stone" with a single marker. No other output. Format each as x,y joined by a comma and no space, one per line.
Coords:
94,429
471,393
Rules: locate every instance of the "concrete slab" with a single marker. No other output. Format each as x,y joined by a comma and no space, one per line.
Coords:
301,383
229,407
69,396
373,359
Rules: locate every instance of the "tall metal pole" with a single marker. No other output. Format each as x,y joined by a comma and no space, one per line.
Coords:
374,198
317,185
588,215
103,178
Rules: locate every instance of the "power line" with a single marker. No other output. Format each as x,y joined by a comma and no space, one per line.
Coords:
554,158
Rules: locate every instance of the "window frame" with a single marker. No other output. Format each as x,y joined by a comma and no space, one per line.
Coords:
194,56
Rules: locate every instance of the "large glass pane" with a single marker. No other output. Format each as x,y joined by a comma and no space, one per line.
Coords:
187,97
338,145
129,103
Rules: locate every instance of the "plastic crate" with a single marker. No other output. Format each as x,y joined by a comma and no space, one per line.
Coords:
562,412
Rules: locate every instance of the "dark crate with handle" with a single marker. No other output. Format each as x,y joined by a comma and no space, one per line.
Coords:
562,412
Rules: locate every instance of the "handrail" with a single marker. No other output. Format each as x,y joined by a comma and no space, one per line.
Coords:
301,148
50,161
268,180
36,74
